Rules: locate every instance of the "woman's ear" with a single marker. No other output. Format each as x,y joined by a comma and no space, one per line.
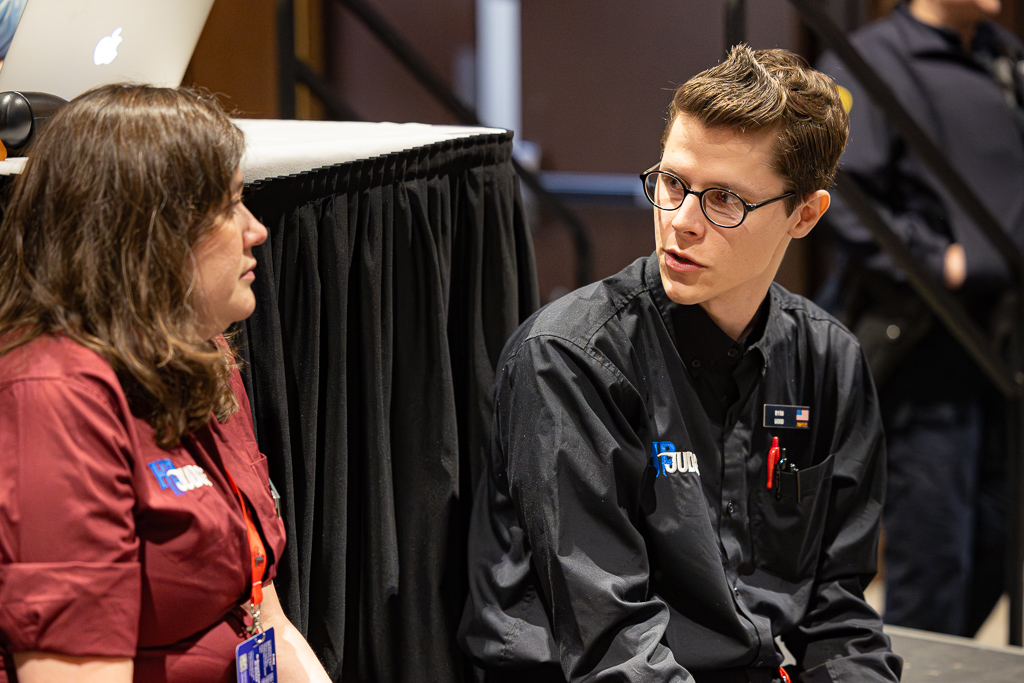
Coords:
810,210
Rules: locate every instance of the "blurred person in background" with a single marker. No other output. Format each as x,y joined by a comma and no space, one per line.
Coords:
960,76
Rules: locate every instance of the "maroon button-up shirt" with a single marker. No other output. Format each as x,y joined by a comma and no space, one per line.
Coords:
110,545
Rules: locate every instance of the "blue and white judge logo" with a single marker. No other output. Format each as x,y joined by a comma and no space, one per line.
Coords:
667,460
178,479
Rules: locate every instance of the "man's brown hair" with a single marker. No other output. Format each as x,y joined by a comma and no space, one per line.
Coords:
772,92
97,244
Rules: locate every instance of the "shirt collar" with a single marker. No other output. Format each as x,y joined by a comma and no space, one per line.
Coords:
935,38
700,342
775,332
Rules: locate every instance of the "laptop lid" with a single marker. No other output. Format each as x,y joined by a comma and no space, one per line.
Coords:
65,47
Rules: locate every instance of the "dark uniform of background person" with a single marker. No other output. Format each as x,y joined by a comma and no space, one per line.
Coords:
624,529
944,520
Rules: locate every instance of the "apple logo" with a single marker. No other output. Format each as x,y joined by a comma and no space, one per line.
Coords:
106,49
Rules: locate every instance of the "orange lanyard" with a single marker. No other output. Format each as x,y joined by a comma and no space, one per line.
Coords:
257,553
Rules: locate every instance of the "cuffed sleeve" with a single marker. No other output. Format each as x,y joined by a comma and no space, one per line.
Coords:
70,579
74,608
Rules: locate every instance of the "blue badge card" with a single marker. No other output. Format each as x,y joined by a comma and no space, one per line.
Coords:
256,659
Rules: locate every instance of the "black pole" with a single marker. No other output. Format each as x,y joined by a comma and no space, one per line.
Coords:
1015,485
286,59
339,109
578,231
735,23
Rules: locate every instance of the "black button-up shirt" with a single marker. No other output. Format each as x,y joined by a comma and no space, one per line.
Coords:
624,533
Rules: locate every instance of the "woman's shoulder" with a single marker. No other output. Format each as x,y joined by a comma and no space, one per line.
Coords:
59,360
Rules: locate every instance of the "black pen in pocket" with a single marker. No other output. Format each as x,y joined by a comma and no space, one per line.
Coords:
784,465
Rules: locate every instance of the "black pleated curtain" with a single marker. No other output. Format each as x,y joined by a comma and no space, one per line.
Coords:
384,294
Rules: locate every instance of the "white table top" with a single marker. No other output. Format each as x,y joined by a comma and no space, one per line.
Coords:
276,147
283,147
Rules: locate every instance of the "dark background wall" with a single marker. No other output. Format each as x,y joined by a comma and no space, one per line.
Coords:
597,76
597,79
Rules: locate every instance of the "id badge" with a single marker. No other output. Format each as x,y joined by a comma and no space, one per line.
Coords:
256,659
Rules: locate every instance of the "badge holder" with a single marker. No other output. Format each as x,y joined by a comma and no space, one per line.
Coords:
256,659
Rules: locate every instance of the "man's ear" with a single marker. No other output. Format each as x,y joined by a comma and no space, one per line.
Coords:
810,210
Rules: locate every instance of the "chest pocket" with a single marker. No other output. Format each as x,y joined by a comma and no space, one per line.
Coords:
789,519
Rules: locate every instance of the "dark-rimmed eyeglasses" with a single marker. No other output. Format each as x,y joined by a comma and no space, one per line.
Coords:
724,208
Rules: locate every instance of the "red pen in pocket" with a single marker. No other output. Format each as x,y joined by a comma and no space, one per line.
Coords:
773,458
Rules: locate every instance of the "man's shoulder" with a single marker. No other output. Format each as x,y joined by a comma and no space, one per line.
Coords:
1010,43
880,41
800,314
586,313
894,29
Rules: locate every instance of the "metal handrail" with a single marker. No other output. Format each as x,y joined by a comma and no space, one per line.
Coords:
735,23
336,105
946,307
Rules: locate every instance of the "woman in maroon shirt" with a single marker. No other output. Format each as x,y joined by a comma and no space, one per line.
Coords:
128,466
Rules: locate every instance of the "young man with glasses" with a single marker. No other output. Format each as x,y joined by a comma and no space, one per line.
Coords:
686,459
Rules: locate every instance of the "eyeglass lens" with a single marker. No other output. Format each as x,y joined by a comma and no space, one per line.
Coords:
720,206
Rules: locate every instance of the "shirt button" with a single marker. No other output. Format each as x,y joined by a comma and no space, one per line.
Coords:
695,363
730,508
732,353
736,592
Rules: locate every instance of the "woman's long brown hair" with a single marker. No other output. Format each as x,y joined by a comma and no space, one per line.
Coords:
97,244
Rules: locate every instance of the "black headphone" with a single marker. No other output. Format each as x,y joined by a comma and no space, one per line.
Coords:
23,115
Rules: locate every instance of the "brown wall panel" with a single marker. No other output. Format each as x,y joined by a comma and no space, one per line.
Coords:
598,76
237,57
619,235
375,84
